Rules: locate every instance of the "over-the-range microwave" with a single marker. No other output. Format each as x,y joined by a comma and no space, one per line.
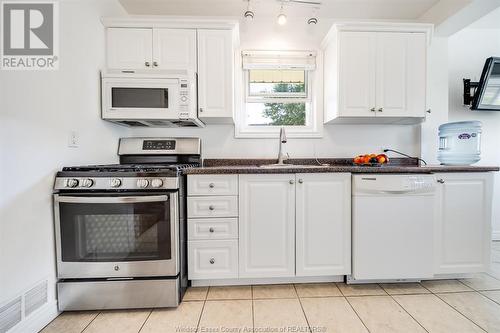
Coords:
159,99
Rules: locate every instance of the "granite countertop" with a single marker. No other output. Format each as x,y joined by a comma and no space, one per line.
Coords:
401,165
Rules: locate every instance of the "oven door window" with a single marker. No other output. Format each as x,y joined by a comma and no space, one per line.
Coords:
95,232
149,98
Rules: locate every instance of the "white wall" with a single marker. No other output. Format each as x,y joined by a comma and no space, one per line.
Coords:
468,50
338,140
37,111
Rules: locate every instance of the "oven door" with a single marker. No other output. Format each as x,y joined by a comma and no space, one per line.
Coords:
117,236
140,98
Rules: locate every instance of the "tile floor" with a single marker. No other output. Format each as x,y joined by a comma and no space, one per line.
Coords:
466,305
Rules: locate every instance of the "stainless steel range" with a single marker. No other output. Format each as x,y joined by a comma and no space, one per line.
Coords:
121,229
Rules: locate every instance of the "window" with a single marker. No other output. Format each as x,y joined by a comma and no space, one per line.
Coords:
278,91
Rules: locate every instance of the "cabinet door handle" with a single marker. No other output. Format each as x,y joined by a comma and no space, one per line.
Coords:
211,185
440,181
155,64
212,261
211,207
429,111
381,110
211,229
372,109
301,181
147,64
292,181
201,109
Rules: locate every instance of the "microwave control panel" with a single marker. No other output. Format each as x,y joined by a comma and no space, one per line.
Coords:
184,99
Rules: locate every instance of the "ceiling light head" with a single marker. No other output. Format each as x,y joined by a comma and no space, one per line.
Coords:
281,16
281,19
312,20
249,15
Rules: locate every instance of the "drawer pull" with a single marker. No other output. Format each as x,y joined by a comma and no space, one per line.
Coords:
211,229
211,207
211,185
292,182
440,181
212,261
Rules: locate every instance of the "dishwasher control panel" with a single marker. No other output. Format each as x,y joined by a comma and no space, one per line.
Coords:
393,183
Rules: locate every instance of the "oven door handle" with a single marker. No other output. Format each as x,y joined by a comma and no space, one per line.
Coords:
132,199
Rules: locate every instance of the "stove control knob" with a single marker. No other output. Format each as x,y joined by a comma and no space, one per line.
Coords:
87,182
115,182
157,182
142,183
72,182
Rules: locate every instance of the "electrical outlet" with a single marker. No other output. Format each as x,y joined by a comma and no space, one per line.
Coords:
73,139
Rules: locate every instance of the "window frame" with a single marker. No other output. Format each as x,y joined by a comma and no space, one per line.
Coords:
314,118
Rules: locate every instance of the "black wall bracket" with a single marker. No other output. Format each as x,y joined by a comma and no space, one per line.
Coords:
468,86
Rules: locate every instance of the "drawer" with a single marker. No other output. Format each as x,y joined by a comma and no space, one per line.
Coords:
212,185
224,206
213,228
212,259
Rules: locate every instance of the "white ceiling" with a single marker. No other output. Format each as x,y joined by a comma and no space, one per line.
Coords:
335,9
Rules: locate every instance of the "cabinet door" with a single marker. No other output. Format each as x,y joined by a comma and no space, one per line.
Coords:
174,49
323,224
357,74
215,75
129,48
401,74
267,226
463,224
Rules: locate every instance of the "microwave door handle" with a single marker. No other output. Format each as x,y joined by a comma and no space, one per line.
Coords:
116,200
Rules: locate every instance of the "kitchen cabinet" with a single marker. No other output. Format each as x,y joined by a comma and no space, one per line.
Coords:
375,74
174,49
212,209
129,48
295,225
462,231
215,76
267,225
158,48
323,224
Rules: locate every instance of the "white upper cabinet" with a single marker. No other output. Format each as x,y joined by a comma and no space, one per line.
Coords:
357,73
267,225
174,49
375,74
136,48
215,75
129,48
323,224
401,67
463,226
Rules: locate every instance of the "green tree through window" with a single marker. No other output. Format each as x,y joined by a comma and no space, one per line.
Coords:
286,114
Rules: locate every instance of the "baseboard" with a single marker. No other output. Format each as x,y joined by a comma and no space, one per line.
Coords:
236,282
496,235
37,320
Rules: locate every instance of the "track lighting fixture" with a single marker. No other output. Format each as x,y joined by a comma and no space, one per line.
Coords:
281,16
249,14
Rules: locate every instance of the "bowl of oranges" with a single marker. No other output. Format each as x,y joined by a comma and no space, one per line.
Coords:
371,160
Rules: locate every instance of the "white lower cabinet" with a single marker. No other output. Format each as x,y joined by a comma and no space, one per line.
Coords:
323,224
463,223
213,259
295,225
267,225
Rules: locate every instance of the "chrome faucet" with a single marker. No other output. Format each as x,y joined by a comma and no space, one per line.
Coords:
281,155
